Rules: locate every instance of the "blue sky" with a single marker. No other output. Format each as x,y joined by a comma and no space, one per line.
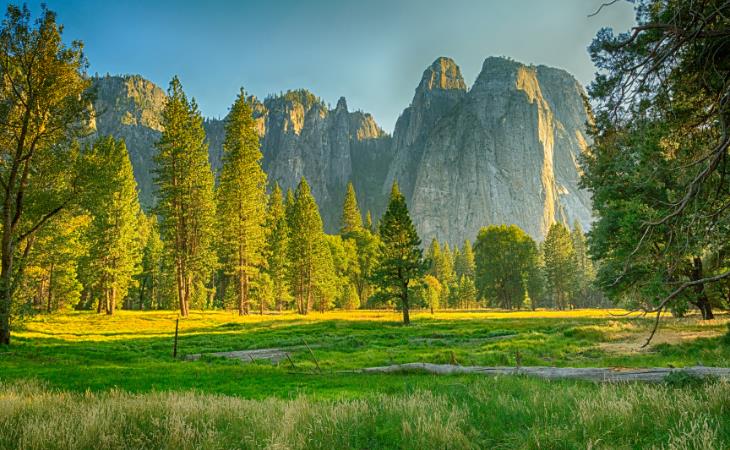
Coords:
372,52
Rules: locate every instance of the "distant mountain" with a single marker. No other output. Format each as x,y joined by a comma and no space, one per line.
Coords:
503,152
506,152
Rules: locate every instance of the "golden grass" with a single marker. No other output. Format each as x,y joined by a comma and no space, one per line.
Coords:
89,326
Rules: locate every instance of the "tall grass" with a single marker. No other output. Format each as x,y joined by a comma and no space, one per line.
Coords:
487,413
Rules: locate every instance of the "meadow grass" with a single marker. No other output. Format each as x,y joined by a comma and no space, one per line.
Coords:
82,380
508,412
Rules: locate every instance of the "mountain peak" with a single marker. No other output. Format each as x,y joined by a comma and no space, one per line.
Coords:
443,75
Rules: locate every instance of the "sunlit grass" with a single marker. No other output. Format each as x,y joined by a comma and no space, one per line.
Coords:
462,413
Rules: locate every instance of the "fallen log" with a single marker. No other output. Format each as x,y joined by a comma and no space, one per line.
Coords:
273,355
600,374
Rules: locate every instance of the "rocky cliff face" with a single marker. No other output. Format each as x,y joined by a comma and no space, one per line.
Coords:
130,107
301,137
503,152
441,88
506,153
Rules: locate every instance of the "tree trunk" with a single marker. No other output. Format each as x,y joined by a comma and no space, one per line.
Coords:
50,289
406,314
241,309
702,302
112,304
5,285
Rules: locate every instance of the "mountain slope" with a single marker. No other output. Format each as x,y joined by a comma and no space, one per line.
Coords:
504,151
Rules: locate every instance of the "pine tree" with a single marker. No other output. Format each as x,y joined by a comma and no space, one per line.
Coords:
351,217
435,259
464,263
111,199
54,269
307,250
241,202
350,299
149,279
432,292
277,244
448,276
467,292
560,265
186,203
401,258
585,273
369,222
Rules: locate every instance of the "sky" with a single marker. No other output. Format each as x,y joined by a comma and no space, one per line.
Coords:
373,52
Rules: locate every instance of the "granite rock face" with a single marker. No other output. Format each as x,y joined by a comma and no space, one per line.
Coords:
130,107
301,137
504,151
441,88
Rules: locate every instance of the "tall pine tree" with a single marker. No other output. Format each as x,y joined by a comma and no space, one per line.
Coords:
401,258
277,244
186,203
560,265
111,199
241,199
351,217
308,252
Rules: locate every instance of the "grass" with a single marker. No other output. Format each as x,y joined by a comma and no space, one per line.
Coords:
496,413
88,372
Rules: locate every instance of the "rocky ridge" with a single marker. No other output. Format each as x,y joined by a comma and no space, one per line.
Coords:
504,151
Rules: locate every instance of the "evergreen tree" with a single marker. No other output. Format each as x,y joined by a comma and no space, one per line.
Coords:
435,259
585,273
657,167
53,272
277,244
401,258
351,217
241,202
369,222
447,266
366,255
186,203
432,292
350,299
111,199
150,277
467,292
464,262
308,253
560,265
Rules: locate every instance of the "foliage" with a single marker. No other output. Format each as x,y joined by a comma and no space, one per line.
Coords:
351,216
658,165
506,265
310,260
186,203
44,107
241,202
560,266
115,244
276,250
401,260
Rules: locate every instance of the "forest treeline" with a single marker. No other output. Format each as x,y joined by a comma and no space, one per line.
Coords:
234,239
242,243
73,234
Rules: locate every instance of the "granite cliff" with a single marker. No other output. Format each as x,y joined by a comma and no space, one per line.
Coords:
504,151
